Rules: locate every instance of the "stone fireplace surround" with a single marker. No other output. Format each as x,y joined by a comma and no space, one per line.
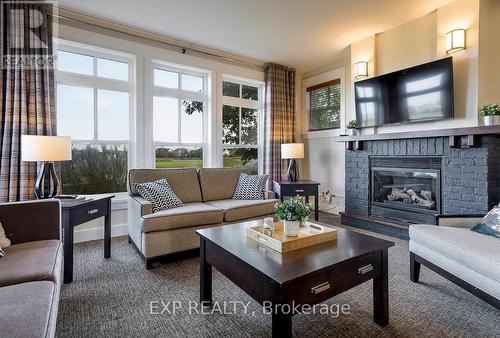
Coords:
470,175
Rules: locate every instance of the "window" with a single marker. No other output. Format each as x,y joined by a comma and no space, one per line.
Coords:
241,127
94,100
179,109
324,105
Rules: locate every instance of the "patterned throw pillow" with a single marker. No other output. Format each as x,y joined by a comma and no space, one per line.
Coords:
490,225
160,194
250,187
4,241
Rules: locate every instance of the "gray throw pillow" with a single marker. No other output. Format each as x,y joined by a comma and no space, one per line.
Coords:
160,194
250,187
490,224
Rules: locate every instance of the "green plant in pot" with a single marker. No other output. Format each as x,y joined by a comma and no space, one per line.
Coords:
294,213
352,127
491,114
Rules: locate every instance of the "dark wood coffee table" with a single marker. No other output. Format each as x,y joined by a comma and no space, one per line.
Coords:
305,276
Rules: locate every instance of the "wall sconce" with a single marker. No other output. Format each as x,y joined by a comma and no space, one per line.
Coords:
361,69
455,40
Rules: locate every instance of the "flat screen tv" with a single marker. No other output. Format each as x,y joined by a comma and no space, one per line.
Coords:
420,93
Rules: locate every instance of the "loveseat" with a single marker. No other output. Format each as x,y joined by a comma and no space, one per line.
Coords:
207,197
30,271
467,258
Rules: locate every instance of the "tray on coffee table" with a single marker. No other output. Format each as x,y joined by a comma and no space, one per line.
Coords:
310,234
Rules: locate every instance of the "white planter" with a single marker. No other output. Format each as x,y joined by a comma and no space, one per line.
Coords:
292,228
491,120
352,132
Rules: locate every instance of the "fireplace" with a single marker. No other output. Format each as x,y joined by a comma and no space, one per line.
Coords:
406,189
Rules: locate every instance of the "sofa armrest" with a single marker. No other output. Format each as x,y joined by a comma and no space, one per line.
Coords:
269,195
31,220
462,221
142,206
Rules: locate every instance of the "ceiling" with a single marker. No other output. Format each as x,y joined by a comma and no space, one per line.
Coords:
305,34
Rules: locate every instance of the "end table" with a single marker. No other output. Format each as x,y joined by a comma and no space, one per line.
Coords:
304,188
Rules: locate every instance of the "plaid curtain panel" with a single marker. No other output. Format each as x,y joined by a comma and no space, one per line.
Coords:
27,97
279,118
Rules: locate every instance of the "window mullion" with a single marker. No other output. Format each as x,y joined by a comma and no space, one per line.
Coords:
96,136
239,125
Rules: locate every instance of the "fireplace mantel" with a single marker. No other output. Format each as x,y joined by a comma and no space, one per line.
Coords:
455,135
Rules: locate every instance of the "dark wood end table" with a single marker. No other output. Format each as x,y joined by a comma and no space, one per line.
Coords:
304,188
306,276
78,211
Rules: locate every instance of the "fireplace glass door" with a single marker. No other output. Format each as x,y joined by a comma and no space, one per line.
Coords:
406,189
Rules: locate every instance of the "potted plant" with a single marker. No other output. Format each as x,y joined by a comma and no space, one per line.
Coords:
352,127
294,213
491,114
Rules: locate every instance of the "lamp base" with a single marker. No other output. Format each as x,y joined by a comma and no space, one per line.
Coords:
46,176
293,171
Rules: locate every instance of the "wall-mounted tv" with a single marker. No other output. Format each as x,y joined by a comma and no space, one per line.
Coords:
416,94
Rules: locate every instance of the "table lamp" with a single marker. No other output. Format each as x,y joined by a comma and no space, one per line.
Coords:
46,149
292,151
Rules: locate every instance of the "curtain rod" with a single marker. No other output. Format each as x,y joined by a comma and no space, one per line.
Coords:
116,27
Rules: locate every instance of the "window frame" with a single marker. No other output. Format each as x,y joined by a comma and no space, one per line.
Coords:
257,105
97,83
339,73
153,91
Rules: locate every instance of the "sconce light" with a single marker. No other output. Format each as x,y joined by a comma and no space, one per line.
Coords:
361,69
455,40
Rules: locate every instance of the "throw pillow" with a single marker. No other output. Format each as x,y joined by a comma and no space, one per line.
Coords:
250,187
160,194
4,241
490,225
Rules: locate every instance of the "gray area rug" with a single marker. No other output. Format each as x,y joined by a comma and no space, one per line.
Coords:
112,298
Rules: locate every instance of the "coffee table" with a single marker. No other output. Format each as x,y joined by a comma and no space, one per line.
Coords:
305,276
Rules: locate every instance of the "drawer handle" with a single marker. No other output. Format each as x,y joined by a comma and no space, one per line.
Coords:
299,190
320,288
93,211
365,269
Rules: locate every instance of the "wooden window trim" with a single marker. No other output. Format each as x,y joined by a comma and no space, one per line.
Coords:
324,84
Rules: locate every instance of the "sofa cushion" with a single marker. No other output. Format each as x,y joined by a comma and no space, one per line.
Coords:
219,183
29,309
235,210
184,182
31,261
190,214
476,251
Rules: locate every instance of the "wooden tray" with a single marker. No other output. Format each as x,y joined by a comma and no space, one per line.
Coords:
310,234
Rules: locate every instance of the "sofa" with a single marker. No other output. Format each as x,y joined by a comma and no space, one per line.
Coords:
467,258
30,272
207,197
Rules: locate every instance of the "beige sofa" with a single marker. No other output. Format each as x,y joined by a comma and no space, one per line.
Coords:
30,272
207,197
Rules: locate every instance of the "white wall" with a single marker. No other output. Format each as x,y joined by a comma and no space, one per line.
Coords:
413,43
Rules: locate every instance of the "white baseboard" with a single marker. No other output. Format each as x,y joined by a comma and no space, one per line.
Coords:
92,234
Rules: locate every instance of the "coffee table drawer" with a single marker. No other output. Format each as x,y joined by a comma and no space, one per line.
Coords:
361,269
314,289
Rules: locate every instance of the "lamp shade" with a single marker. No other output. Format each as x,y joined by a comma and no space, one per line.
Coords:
455,40
292,150
45,148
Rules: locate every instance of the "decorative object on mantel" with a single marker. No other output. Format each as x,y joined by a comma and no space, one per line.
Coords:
361,69
294,214
46,149
352,128
310,234
292,151
491,114
455,40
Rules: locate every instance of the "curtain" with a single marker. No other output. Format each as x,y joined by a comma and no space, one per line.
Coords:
279,118
27,93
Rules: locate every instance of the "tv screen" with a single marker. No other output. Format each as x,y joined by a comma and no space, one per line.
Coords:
421,93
